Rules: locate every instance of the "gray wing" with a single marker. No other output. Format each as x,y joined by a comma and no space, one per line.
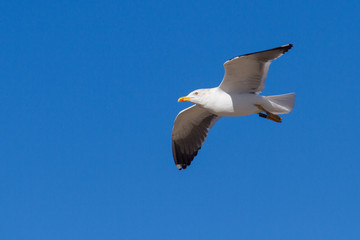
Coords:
247,73
190,130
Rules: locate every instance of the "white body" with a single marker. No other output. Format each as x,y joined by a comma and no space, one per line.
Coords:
225,104
232,104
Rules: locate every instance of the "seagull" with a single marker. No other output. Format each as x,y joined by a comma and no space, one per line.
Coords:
237,95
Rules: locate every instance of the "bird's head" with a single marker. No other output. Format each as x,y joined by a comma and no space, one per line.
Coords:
196,96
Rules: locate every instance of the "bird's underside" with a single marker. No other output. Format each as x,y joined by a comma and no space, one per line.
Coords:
243,74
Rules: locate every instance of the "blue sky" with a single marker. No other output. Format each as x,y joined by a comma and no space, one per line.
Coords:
88,96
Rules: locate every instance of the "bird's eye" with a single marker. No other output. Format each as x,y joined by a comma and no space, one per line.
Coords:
196,93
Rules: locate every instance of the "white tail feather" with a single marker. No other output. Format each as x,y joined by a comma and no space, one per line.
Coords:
281,104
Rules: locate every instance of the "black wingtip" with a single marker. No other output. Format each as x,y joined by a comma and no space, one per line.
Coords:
287,47
283,48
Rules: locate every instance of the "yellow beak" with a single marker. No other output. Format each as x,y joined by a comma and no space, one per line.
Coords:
182,99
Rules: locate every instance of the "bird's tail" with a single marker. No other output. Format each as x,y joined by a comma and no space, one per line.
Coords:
281,104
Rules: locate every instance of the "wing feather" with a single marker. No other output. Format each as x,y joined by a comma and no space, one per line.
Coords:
247,73
190,130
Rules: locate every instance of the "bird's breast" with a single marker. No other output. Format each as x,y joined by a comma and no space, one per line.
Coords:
239,104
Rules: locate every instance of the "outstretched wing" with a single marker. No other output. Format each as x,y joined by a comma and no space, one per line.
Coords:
190,130
247,73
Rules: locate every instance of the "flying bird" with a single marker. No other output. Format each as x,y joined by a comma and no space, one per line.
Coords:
237,95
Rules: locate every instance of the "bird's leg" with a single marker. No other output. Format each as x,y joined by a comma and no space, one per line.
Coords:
268,115
263,115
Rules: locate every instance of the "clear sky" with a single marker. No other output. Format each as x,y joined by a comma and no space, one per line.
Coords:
88,96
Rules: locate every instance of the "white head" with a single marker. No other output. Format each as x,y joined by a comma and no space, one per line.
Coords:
197,96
